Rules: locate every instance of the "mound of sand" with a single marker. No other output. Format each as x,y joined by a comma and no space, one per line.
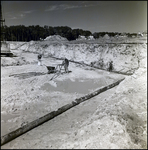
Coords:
55,38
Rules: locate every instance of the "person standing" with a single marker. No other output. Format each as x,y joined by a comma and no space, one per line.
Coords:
39,59
65,63
110,68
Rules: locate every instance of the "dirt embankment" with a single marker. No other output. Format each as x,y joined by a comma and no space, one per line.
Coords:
125,57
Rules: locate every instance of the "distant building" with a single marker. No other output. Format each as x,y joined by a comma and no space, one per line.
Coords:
90,38
81,37
41,39
123,35
144,32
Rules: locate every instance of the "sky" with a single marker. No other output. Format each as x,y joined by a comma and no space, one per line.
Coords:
94,16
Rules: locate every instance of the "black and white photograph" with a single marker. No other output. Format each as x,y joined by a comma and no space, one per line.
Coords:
73,74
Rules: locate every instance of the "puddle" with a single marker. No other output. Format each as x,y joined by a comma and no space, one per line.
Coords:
78,86
6,124
6,117
6,128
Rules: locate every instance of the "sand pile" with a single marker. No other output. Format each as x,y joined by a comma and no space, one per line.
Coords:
55,38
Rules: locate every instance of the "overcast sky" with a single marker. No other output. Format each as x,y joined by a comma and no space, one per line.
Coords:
95,16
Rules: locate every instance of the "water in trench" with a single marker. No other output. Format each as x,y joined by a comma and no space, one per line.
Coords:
6,126
84,86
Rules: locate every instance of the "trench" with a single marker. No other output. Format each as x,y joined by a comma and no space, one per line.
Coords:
14,134
95,67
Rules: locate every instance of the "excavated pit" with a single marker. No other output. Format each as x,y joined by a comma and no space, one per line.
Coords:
81,88
118,53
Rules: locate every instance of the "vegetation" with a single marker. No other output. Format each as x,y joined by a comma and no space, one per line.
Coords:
23,33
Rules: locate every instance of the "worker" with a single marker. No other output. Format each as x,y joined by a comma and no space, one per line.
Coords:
65,63
110,68
39,59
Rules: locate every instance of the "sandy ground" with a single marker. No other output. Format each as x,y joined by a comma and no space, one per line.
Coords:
37,95
116,118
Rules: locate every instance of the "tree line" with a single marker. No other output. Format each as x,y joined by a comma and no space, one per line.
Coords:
35,33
